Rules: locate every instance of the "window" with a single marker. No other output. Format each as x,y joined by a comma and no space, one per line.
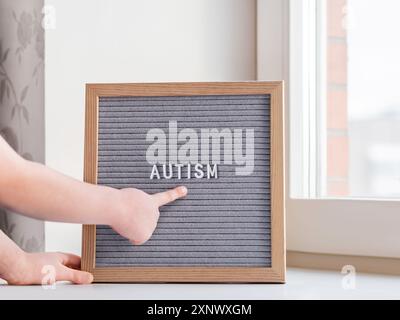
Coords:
339,59
363,98
357,97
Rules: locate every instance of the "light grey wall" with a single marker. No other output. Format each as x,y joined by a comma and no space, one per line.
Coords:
22,101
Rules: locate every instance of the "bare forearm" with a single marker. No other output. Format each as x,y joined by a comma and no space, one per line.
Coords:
45,194
37,191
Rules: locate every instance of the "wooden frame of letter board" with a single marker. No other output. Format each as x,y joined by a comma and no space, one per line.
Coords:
274,274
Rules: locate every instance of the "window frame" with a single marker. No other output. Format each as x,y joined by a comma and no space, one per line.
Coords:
345,226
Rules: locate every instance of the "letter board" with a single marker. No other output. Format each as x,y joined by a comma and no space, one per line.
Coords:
224,142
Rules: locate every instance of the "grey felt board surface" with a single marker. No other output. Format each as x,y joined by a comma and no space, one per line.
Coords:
222,222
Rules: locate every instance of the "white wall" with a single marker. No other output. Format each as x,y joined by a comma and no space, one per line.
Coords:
134,41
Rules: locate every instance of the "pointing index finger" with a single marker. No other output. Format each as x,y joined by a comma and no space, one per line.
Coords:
166,197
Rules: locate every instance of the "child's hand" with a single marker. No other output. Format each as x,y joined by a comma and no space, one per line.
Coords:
46,268
138,214
42,193
135,215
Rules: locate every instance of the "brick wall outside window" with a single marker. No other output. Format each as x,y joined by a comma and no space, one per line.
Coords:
337,122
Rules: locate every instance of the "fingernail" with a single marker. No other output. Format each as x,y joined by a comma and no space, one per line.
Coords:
182,190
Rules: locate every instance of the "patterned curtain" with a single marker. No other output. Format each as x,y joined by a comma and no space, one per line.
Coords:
22,101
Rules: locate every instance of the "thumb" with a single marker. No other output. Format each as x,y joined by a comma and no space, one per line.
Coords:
75,276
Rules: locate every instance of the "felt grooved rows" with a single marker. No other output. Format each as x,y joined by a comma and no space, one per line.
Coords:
222,222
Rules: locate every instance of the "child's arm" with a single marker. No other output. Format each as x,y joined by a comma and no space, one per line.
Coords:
39,192
42,193
21,268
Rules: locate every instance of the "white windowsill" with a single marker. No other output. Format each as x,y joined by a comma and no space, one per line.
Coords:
301,284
